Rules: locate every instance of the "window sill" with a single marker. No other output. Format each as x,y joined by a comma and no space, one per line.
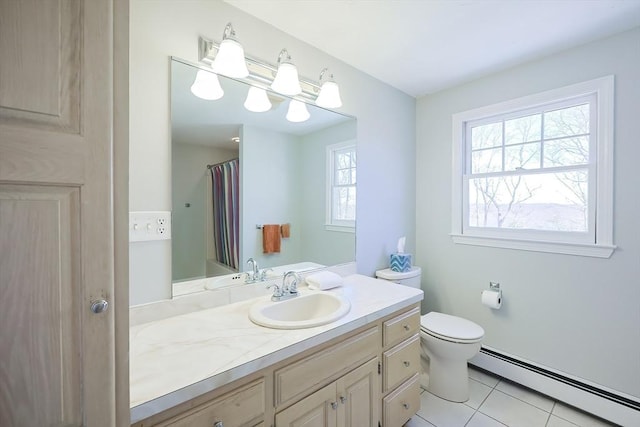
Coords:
340,228
587,250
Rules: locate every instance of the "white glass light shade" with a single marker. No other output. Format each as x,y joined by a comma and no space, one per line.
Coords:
286,81
229,60
329,96
257,100
297,111
207,86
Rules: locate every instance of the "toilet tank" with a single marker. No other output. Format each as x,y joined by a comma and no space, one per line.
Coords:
407,278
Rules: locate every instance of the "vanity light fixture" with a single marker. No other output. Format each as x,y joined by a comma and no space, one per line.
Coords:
282,77
286,81
229,60
207,86
257,100
329,96
297,111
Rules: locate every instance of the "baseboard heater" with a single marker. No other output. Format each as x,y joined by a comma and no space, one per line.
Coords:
609,405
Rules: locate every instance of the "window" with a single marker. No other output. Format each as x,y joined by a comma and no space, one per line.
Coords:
341,187
536,173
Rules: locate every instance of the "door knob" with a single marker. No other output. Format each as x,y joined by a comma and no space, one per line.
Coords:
98,306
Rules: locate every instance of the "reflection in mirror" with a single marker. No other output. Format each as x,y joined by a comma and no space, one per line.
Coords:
300,175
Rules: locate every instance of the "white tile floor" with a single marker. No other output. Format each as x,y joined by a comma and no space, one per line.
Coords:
496,402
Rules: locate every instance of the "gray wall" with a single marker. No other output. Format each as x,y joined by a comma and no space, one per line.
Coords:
189,185
386,128
268,187
579,315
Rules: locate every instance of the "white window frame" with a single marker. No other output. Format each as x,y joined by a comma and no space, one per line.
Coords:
330,224
599,241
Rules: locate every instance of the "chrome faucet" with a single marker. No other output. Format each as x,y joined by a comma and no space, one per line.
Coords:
287,290
290,288
252,275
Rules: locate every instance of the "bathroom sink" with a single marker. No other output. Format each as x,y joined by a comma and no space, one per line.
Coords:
304,311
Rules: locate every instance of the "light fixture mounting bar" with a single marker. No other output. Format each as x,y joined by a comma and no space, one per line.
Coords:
260,71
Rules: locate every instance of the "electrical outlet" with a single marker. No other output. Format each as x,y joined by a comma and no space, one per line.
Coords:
149,226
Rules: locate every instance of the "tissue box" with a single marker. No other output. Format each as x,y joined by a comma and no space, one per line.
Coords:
400,262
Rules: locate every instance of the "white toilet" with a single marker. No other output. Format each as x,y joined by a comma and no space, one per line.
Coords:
448,342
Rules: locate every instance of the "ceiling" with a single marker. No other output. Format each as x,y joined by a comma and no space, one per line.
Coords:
423,46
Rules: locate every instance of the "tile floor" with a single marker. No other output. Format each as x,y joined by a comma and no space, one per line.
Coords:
496,402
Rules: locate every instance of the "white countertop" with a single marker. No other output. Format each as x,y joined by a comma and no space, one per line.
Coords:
178,358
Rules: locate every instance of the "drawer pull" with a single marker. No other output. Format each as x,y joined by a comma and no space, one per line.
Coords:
406,327
406,363
218,424
334,405
343,399
406,405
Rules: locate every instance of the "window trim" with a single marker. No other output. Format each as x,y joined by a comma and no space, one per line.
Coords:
603,247
330,225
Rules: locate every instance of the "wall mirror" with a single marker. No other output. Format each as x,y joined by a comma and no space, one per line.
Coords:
283,171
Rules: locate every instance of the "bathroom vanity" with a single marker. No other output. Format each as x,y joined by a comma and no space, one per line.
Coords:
216,368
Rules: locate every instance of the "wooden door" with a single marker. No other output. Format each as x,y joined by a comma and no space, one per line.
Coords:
57,358
316,410
358,396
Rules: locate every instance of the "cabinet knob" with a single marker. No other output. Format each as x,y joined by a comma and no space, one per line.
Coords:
406,327
405,405
406,363
218,424
343,399
99,306
334,405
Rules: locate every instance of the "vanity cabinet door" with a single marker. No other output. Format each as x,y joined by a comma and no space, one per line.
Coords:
316,410
358,396
350,401
298,379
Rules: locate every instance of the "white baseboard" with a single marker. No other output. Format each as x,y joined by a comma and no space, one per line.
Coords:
606,404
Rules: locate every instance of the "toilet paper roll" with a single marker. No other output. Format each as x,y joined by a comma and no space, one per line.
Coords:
492,299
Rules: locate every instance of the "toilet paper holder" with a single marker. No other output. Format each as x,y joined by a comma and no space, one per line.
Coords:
492,298
495,286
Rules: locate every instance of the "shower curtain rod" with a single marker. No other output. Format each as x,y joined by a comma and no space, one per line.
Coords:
221,163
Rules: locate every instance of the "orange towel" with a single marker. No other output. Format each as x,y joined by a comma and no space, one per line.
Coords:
285,230
270,238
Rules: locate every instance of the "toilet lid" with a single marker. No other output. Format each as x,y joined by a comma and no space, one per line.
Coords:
452,327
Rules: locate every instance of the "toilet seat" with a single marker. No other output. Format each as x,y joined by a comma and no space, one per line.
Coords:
451,328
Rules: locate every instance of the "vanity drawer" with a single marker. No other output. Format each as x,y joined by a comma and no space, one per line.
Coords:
401,362
401,327
319,369
243,407
402,404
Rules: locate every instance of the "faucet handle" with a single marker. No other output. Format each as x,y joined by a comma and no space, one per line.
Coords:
263,273
277,290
